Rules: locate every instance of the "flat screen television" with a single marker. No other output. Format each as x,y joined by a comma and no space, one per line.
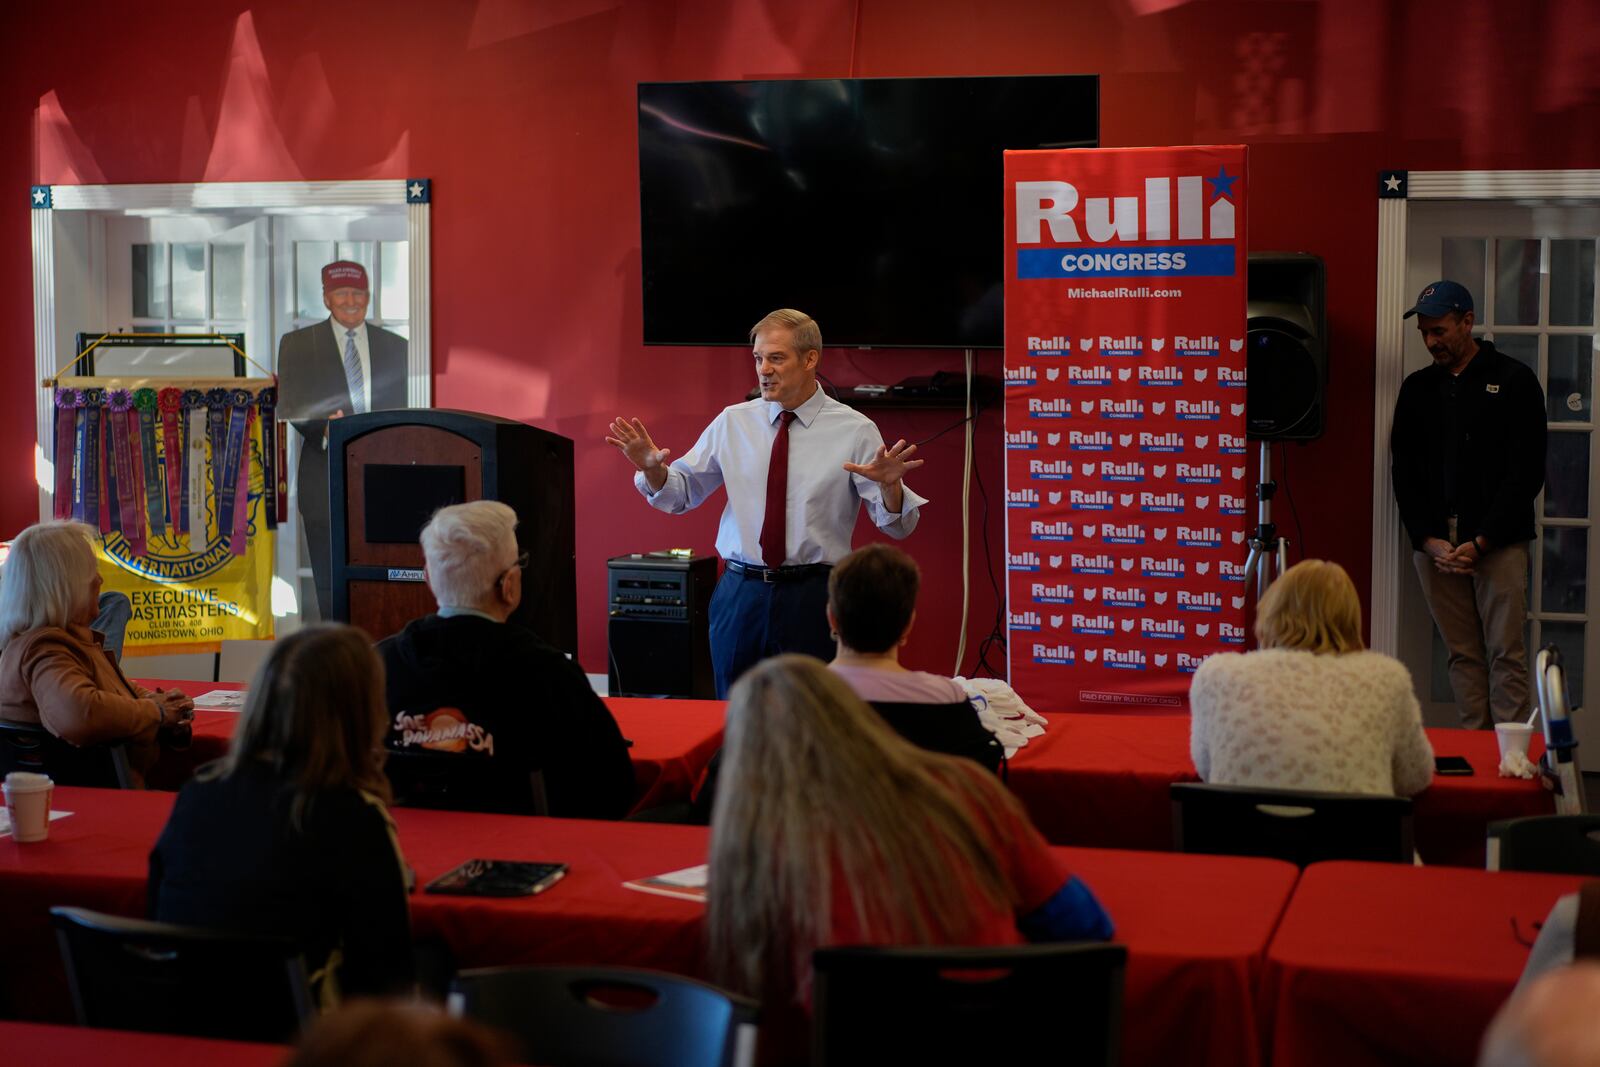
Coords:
872,204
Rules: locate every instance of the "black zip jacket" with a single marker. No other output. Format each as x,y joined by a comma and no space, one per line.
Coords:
1494,453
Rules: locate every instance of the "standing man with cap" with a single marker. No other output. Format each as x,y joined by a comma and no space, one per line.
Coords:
1468,451
797,465
337,367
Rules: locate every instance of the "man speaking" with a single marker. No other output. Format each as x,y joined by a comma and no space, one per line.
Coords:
797,465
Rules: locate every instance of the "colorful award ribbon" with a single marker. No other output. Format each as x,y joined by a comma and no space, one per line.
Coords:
192,474
170,401
194,469
281,432
134,531
266,402
241,510
125,517
95,511
238,422
217,429
144,402
69,432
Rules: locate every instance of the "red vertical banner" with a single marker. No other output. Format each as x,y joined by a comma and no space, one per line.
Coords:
1126,462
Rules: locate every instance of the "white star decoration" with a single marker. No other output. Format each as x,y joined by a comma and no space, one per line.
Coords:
416,190
38,196
1392,183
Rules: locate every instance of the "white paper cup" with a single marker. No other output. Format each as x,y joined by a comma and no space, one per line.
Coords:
1513,737
28,804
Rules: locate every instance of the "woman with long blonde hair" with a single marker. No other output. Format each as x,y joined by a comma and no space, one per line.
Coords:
289,833
829,828
1311,709
56,670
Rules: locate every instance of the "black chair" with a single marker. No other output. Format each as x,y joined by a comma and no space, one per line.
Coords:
953,729
422,779
1557,844
1301,827
950,728
1044,1003
608,1016
131,974
27,747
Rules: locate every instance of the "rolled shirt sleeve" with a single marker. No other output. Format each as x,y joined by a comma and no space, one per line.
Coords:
895,524
691,477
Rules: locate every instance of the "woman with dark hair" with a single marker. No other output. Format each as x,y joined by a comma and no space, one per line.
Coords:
289,833
872,603
831,829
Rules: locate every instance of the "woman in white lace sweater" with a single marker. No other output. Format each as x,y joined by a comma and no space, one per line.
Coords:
1312,710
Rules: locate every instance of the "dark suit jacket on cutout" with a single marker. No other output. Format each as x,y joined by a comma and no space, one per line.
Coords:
311,387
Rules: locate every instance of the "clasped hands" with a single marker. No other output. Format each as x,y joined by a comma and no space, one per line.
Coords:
1453,559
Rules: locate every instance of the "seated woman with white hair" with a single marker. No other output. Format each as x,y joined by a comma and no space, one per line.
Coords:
1311,710
54,669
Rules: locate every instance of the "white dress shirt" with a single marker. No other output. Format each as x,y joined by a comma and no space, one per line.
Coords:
823,498
362,351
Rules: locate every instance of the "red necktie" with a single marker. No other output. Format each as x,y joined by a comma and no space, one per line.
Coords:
774,543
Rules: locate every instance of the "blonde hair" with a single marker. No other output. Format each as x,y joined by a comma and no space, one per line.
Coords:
816,791
316,715
1313,607
804,333
468,546
45,578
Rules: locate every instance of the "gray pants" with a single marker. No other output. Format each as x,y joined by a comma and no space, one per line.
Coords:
1481,616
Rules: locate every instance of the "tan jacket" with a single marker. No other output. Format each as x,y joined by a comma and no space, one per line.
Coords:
64,680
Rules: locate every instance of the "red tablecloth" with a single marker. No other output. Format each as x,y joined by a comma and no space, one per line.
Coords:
40,1045
1094,780
1103,780
673,740
1196,927
1388,964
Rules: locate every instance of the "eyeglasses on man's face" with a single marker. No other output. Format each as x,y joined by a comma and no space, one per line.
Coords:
520,565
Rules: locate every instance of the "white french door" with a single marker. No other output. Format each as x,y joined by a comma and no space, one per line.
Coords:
1531,270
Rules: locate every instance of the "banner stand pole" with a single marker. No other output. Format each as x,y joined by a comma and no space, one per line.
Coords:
1266,547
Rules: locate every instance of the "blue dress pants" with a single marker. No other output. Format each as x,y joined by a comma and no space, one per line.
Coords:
752,619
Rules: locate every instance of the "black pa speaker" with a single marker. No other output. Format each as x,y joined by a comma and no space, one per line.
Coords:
1287,347
659,628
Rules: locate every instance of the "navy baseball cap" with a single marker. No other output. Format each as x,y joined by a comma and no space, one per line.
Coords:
1441,298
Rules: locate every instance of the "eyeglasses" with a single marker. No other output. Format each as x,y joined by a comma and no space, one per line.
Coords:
521,565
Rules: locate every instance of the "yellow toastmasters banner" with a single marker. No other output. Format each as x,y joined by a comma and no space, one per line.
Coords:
185,485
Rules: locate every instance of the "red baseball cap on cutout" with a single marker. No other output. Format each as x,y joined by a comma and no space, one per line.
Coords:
343,274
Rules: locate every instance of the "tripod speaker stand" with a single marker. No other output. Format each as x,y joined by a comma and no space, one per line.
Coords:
1267,549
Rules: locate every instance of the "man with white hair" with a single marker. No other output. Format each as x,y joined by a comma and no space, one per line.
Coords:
487,700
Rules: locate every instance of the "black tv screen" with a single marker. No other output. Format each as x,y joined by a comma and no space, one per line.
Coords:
872,204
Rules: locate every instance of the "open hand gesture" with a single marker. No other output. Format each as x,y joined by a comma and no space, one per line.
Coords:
889,465
633,440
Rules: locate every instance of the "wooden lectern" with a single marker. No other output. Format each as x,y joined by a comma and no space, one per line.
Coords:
389,471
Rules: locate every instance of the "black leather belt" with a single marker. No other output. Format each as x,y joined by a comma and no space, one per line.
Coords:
778,574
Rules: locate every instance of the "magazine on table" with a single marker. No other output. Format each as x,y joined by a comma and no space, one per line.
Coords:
687,884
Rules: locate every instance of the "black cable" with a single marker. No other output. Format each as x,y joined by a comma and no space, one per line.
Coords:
1299,531
953,426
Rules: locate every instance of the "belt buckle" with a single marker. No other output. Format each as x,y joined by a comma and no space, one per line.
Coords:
767,574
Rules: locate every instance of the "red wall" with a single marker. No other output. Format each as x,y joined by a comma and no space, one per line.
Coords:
521,111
